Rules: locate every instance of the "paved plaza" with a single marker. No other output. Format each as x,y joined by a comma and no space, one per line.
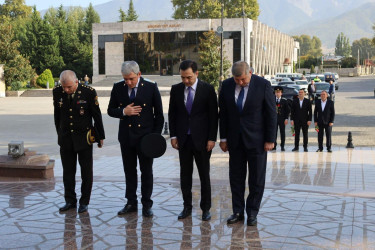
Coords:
311,201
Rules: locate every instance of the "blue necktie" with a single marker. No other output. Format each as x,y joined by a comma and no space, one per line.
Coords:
240,99
132,95
189,101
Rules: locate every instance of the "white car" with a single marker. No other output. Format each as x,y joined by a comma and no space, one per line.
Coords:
303,84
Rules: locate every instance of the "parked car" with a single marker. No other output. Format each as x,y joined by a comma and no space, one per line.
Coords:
289,93
290,84
319,87
302,84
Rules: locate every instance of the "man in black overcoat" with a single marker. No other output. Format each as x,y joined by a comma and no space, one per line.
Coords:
324,116
247,130
300,118
137,103
193,122
282,110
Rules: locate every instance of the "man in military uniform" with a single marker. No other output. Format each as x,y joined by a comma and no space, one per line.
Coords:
282,110
137,103
75,106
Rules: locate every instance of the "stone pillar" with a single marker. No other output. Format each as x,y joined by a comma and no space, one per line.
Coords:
2,81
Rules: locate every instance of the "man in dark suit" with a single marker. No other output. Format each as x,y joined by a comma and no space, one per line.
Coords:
193,125
137,103
75,107
247,130
324,116
301,115
282,110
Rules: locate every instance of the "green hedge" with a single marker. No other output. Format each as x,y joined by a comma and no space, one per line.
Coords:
45,77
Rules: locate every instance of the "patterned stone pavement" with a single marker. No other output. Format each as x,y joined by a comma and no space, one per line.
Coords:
312,200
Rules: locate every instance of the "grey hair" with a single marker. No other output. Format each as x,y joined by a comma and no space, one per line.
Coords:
129,67
324,91
241,67
68,75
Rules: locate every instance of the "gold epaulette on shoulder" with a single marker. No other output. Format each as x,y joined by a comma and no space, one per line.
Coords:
57,86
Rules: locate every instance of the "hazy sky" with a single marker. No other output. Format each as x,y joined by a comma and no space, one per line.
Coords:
45,4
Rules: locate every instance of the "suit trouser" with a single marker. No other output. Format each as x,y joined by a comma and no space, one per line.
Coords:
240,159
280,125
328,131
188,153
69,163
129,160
297,130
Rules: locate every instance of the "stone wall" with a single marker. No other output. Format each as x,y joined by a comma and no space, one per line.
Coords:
2,81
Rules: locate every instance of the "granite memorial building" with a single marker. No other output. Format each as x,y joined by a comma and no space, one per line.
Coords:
159,46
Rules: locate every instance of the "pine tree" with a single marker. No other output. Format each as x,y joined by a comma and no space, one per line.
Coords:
122,15
132,15
41,44
91,17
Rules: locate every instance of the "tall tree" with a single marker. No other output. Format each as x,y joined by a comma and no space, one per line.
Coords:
41,44
132,15
91,17
342,46
17,67
122,15
209,57
365,47
192,9
373,39
309,46
15,9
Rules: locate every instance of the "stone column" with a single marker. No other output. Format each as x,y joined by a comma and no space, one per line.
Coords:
2,81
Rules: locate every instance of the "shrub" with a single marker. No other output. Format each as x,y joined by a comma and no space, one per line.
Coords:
45,77
17,85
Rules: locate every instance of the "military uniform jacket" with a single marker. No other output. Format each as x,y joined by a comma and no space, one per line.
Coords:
282,110
151,118
73,118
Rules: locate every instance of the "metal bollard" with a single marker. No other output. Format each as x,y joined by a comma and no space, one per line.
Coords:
47,85
166,129
350,140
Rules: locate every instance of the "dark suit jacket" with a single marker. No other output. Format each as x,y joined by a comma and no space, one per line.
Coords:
301,115
282,110
73,119
256,124
202,120
150,120
327,116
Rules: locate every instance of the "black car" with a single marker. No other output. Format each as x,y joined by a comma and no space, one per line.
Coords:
328,76
289,93
319,87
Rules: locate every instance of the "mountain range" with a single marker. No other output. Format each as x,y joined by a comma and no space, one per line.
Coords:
322,18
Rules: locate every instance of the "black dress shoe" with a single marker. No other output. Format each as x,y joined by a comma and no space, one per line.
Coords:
282,149
252,221
329,150
128,209
83,208
206,216
67,206
319,150
295,149
305,149
147,212
234,218
185,213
